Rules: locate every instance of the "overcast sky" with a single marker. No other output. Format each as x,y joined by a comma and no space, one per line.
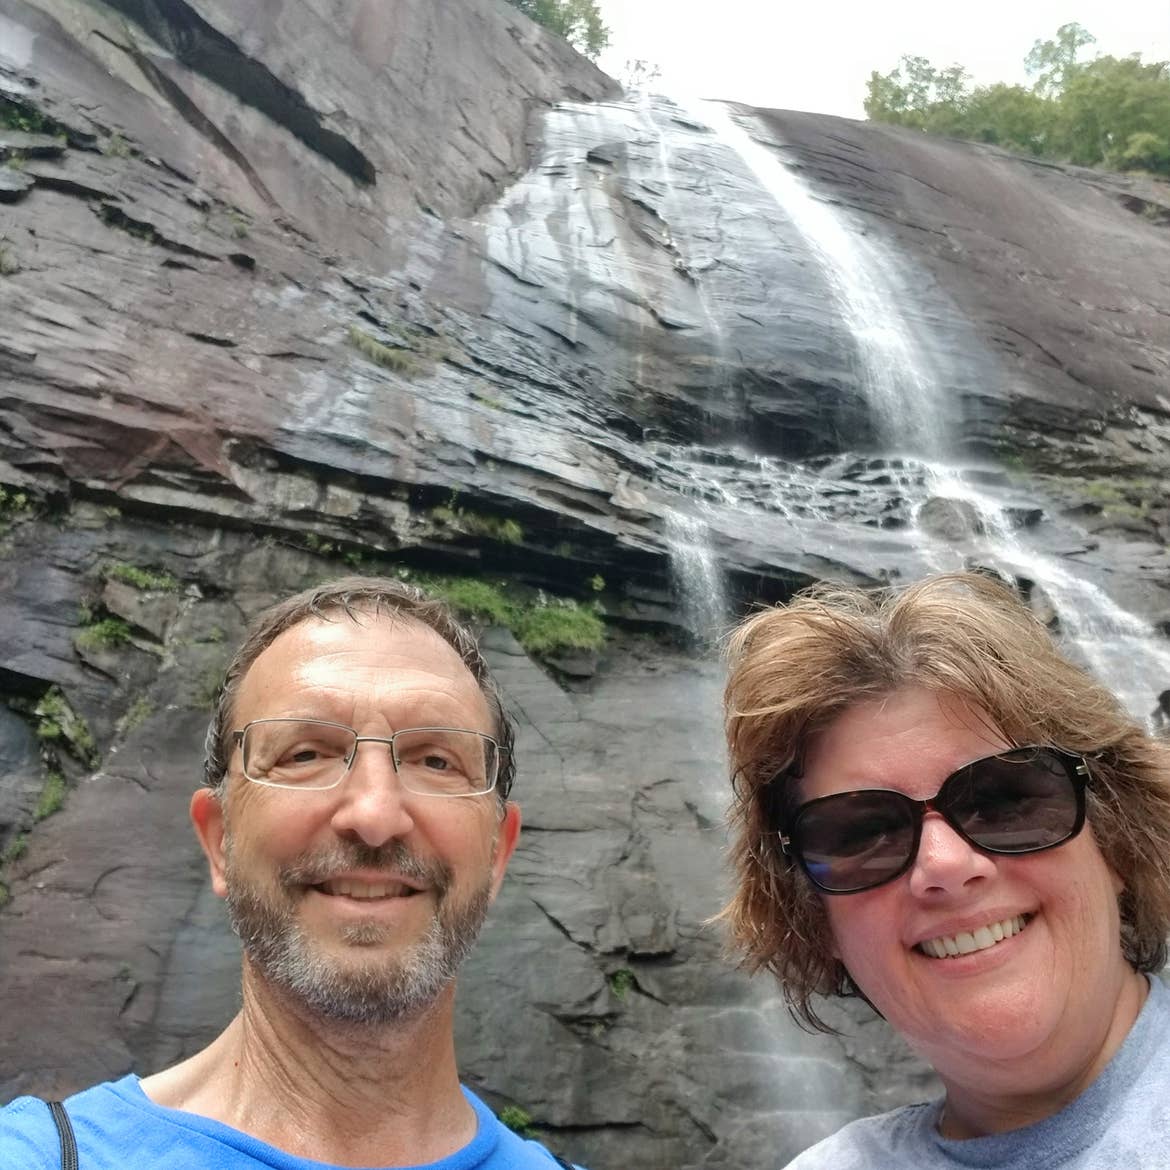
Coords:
817,54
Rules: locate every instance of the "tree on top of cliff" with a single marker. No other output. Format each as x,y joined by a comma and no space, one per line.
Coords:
1109,111
578,21
1053,62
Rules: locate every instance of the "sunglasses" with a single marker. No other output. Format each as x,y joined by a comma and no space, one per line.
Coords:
1020,801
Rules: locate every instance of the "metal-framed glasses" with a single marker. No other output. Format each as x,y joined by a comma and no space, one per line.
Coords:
315,754
1023,800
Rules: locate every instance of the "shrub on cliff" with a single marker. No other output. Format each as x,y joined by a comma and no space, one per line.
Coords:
578,21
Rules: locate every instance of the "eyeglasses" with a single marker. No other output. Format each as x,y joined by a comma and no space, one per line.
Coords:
314,754
1020,801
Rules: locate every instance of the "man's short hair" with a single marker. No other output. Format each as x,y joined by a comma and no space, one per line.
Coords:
795,669
353,598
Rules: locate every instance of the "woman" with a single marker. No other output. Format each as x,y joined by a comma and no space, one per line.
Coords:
934,810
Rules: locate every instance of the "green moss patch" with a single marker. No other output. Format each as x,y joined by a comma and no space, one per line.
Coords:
398,359
106,634
145,579
542,624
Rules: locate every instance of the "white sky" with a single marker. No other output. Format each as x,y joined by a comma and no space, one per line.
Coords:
818,54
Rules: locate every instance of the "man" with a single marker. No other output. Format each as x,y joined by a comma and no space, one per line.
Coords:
356,821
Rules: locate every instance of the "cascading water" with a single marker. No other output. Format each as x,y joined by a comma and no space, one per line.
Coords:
698,578
904,392
900,386
1118,647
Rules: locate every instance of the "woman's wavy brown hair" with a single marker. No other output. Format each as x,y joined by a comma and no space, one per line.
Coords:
794,669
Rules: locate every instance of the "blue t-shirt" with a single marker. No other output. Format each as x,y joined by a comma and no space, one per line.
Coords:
119,1128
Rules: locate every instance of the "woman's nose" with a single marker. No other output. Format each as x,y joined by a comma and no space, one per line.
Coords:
946,862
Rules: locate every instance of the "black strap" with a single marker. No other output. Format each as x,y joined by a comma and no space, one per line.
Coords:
65,1133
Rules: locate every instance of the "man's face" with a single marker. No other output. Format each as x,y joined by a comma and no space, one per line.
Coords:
363,899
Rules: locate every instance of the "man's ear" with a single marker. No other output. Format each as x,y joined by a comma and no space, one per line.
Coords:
509,832
207,817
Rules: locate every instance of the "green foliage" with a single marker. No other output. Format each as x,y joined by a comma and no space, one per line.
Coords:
239,225
473,598
401,361
622,982
9,265
136,714
117,146
1108,111
17,115
578,21
1143,151
49,729
15,849
517,1120
1053,62
52,796
56,722
542,626
597,582
106,634
564,626
13,502
145,579
1128,499
318,544
506,531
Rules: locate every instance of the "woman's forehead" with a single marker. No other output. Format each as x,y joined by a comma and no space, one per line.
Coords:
910,733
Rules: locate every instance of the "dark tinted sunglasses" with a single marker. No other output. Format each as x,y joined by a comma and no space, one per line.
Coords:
1020,801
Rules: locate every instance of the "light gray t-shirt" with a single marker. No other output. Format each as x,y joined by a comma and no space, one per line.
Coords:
1121,1120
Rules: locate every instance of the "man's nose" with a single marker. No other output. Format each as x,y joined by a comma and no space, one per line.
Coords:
373,806
946,862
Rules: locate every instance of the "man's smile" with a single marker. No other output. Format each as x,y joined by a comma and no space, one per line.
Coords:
353,888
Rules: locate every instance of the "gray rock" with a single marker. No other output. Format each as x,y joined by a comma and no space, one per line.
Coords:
152,612
953,520
14,185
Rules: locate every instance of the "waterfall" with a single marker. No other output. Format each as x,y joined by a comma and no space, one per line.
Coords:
905,392
1119,648
899,383
698,578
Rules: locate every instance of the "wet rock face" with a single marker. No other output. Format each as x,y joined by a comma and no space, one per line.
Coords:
283,295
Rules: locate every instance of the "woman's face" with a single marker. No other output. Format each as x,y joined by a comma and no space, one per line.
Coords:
1030,1011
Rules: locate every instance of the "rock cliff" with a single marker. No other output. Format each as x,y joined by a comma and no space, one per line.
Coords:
295,288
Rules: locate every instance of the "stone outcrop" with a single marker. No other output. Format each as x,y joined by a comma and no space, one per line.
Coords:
282,296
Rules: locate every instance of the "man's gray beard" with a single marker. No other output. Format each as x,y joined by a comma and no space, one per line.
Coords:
389,987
